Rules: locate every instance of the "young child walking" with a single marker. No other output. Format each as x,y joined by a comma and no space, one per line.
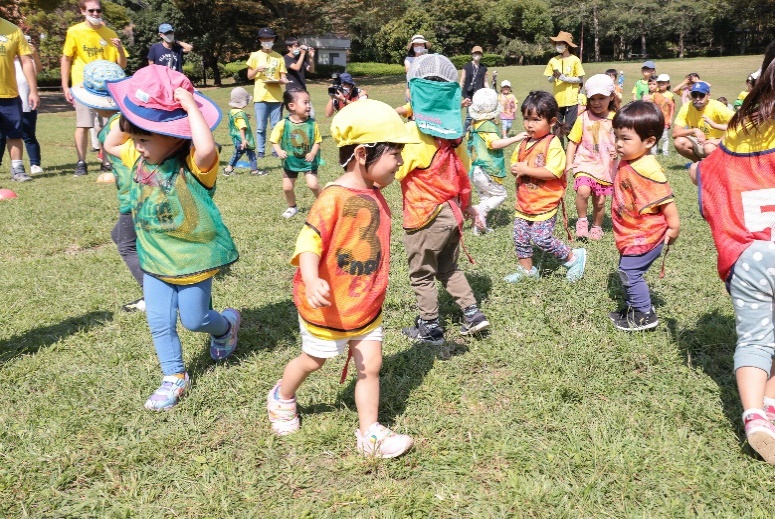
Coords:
182,241
508,103
735,188
665,100
644,214
539,165
488,169
343,259
591,155
436,194
296,140
240,132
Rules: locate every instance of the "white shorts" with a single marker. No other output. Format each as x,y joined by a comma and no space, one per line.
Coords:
328,348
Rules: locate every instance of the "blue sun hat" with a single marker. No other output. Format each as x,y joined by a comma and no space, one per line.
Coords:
93,92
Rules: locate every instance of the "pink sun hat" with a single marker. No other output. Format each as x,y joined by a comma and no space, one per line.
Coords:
147,100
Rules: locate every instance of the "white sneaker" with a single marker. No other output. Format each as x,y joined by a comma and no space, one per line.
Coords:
381,442
36,170
290,212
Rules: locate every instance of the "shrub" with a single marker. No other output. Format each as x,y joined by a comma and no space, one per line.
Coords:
325,71
49,78
192,68
238,70
488,60
375,69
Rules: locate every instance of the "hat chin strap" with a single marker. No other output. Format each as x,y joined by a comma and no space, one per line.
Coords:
369,145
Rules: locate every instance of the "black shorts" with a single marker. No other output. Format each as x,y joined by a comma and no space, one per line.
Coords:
11,118
287,173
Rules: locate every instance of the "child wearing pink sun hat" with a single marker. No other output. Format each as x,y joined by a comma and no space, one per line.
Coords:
182,241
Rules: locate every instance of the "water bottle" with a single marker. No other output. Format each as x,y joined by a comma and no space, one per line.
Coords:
621,78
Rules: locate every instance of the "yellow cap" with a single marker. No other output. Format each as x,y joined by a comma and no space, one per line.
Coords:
368,121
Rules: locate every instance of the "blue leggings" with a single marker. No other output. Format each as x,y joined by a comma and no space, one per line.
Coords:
163,301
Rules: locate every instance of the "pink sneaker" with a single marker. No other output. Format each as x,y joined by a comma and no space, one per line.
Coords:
282,413
381,442
760,433
582,228
596,233
769,411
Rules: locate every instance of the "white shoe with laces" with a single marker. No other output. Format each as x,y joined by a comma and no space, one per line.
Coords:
381,442
290,212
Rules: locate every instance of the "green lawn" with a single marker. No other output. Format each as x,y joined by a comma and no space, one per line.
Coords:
554,413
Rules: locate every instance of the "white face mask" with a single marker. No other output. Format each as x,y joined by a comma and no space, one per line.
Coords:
169,38
560,48
267,45
419,49
346,91
296,52
94,21
477,57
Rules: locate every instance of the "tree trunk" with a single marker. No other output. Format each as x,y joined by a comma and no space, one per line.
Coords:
621,48
643,44
681,45
595,25
212,63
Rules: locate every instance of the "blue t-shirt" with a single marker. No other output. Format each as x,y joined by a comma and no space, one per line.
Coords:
170,58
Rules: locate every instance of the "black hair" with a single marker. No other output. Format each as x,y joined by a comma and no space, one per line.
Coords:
759,105
372,152
611,71
127,126
542,103
290,42
652,79
722,99
289,96
643,117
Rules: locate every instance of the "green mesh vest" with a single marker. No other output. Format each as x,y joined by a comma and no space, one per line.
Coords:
235,134
122,173
491,161
297,141
179,229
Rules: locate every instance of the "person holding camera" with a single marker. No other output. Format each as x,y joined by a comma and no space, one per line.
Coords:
342,93
298,60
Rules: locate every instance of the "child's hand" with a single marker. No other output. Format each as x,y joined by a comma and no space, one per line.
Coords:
613,153
282,154
309,157
317,293
521,136
116,43
670,236
518,169
243,145
185,98
466,102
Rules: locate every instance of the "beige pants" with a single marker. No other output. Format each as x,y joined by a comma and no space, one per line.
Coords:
433,253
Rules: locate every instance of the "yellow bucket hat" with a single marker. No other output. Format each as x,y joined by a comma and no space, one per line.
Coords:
368,121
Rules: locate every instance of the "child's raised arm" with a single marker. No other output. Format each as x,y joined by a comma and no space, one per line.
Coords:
114,140
201,136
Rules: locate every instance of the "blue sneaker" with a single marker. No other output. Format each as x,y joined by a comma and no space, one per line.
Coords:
221,348
521,273
576,267
169,393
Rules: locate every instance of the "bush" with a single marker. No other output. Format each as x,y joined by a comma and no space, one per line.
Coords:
49,78
375,69
238,70
192,68
488,60
325,71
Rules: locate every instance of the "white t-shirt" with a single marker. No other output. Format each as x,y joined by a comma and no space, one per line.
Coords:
21,84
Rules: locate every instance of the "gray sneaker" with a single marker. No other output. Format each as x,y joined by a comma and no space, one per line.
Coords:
19,175
80,169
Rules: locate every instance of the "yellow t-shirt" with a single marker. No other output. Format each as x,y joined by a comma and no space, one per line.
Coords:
737,141
689,117
277,133
83,44
566,94
129,155
12,44
275,68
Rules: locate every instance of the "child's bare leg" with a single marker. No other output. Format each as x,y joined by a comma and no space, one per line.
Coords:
598,209
312,184
751,382
296,372
290,196
769,388
367,356
582,200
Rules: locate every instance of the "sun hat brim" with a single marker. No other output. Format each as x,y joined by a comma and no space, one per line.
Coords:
92,100
563,39
179,127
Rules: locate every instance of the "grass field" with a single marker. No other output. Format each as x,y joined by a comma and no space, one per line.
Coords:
553,414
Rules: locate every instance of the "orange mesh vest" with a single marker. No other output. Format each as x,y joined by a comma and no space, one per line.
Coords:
445,179
636,229
354,226
538,196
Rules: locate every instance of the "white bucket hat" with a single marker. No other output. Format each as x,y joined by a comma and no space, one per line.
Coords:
505,83
599,84
484,105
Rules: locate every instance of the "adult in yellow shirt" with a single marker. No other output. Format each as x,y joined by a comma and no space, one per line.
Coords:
566,75
87,41
13,44
268,70
700,125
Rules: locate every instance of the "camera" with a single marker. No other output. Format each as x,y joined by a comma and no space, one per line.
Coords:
336,85
304,47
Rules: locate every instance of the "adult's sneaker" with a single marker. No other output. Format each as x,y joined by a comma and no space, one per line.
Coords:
576,266
19,175
169,393
106,167
222,347
80,169
282,413
381,442
36,170
760,433
137,305
425,331
629,319
476,322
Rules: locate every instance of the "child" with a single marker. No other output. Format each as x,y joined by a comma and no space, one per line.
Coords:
296,140
641,87
436,194
508,107
181,240
665,100
611,72
240,132
651,82
750,81
591,155
735,186
644,214
539,165
343,255
685,86
486,150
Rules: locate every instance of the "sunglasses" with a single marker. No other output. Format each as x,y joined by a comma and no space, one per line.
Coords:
98,11
697,95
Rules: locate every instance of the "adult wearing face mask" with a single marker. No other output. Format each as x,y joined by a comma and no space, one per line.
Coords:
298,60
473,77
169,51
417,46
566,75
85,42
268,70
348,93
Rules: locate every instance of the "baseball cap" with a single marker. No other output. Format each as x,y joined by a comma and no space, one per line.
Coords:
700,86
369,121
663,78
147,100
93,92
433,65
648,64
165,28
266,32
505,83
599,84
484,105
345,77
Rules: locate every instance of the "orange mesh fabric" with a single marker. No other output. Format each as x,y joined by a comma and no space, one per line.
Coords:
537,196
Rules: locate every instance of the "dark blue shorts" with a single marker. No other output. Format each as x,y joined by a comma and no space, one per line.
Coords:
11,118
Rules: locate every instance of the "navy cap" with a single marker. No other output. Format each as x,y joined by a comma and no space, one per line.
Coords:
700,86
165,28
649,64
344,77
266,32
